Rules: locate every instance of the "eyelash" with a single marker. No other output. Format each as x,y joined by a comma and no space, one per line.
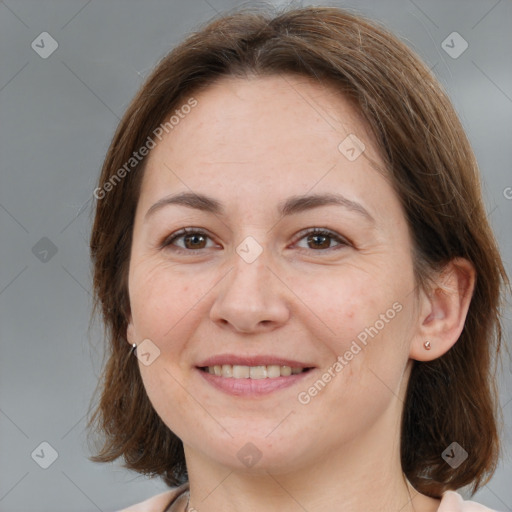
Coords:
197,231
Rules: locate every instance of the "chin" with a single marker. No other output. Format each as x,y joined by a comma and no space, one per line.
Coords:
257,455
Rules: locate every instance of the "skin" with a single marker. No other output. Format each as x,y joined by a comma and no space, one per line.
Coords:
252,143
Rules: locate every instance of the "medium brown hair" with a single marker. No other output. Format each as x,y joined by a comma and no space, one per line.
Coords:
434,172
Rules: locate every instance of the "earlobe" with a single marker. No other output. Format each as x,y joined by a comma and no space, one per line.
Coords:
130,332
443,311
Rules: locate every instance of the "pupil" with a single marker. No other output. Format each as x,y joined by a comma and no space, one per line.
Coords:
317,237
195,238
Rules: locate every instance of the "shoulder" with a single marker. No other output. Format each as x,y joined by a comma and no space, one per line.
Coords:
157,503
453,502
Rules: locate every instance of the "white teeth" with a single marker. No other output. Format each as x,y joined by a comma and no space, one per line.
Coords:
258,372
286,371
227,370
240,372
271,371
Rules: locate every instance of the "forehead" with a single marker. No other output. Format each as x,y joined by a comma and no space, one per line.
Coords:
273,111
275,133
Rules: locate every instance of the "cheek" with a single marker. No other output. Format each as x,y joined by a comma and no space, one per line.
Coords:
345,304
364,319
159,298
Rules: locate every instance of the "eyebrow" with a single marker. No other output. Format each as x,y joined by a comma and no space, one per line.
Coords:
291,206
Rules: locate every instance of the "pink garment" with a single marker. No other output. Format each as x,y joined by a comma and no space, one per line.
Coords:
453,502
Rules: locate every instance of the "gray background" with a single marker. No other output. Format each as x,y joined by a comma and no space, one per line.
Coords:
57,118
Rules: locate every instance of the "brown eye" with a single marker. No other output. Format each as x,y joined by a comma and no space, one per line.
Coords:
321,239
192,240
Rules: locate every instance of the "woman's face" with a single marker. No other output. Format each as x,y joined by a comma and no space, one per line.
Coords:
251,284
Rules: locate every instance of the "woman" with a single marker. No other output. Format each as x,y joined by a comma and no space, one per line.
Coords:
290,238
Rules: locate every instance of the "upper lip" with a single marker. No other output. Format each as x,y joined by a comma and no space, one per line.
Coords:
257,360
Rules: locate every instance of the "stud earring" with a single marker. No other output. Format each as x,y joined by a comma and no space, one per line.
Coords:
134,347
427,345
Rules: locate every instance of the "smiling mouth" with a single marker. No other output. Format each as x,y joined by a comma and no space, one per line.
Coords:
252,372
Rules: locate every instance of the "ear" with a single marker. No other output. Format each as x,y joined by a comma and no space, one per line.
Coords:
443,310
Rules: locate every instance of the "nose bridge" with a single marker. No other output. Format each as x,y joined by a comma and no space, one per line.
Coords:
249,297
250,268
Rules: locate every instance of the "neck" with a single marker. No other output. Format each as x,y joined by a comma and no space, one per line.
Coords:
364,474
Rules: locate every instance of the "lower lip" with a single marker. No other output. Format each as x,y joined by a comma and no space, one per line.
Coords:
251,387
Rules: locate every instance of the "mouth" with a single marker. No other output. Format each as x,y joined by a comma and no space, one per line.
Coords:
252,376
236,371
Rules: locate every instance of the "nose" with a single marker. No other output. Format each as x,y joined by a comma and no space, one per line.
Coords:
252,298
